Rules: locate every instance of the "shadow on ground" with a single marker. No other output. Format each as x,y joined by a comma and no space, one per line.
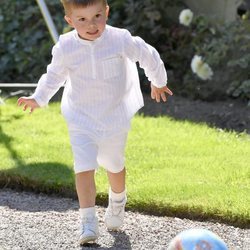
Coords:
121,241
228,115
28,176
25,178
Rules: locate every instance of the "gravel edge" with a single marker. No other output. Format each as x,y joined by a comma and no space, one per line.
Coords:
38,221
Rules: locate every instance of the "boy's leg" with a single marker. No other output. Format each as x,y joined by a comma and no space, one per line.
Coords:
114,215
117,181
85,150
86,191
111,155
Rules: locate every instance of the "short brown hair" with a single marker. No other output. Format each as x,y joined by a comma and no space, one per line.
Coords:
80,3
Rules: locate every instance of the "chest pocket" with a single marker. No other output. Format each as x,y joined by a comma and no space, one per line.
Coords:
112,67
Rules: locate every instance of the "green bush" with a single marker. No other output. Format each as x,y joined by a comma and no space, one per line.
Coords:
25,44
226,49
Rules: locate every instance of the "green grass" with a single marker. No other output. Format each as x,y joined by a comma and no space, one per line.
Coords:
174,168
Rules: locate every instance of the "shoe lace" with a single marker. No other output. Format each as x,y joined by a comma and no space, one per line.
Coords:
88,224
116,208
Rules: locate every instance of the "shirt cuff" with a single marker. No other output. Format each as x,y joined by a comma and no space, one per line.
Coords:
39,100
159,85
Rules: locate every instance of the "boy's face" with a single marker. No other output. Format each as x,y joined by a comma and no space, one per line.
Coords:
88,21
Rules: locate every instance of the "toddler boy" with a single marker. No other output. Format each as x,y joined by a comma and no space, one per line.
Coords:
101,95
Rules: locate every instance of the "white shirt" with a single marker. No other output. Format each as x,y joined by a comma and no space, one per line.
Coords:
102,90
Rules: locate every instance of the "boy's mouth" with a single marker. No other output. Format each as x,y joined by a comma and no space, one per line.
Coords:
93,33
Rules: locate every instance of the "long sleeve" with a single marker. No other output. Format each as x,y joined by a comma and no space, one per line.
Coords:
55,77
137,50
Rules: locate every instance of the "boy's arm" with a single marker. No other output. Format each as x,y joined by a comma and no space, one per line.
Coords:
49,83
137,50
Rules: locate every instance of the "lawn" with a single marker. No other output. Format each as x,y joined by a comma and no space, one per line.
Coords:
174,168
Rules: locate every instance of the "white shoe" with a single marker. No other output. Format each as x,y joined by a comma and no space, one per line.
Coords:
114,215
89,231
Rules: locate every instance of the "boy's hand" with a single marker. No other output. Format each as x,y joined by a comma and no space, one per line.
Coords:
160,93
28,103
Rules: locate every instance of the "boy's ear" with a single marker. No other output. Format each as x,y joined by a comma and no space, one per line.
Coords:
107,11
68,20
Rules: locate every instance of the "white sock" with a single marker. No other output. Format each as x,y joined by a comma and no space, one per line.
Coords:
87,212
117,196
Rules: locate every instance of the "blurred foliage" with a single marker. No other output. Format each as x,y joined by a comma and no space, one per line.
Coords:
226,48
25,44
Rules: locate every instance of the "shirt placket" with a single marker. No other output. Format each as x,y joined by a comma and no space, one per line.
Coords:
93,63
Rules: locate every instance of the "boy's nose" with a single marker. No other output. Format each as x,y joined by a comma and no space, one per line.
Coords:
92,24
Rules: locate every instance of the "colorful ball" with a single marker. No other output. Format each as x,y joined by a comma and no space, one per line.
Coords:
197,239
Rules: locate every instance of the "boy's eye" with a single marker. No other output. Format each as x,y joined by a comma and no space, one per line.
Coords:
98,15
82,19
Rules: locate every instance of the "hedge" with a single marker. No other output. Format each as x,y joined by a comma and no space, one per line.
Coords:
25,44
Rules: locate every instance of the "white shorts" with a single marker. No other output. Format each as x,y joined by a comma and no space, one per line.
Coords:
94,149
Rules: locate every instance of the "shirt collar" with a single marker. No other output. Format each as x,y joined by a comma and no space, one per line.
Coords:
90,43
